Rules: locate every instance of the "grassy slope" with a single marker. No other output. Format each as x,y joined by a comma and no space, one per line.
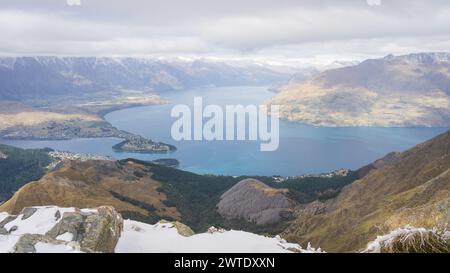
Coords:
414,189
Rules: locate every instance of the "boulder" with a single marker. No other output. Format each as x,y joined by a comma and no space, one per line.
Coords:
71,222
182,229
102,230
28,212
3,231
8,219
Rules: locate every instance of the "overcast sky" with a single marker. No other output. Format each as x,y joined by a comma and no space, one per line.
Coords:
276,30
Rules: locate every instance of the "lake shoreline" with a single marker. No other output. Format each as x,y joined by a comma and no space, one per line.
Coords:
304,149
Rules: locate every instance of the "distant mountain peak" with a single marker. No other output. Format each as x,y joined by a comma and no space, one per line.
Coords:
407,90
47,76
421,58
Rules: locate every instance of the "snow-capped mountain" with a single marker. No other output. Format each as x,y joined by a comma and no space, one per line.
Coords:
338,64
408,90
421,58
31,77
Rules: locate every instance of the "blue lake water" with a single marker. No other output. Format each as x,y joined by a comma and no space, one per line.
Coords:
303,148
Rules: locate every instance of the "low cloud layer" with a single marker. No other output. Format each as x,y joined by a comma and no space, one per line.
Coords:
311,31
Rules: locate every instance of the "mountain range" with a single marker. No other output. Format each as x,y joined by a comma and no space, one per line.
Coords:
47,76
409,90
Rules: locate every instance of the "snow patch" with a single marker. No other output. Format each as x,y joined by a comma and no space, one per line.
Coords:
7,242
140,237
50,248
65,237
3,215
88,210
39,223
163,238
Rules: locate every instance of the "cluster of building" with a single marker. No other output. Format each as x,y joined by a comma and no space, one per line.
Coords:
338,172
59,156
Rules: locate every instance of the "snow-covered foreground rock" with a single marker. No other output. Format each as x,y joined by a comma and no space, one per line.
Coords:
54,229
13,227
164,237
70,230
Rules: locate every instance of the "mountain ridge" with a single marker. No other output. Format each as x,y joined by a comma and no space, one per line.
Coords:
413,188
409,90
46,76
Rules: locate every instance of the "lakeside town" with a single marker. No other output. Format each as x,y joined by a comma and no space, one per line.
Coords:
335,173
59,156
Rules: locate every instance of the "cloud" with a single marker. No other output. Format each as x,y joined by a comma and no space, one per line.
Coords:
373,2
73,2
289,29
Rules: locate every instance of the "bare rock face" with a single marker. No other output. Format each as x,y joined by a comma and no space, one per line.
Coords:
71,222
253,201
102,230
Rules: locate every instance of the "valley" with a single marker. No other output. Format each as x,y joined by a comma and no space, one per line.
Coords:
324,212
328,148
374,170
79,92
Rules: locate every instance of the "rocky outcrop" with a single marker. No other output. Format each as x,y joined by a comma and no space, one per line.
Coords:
102,230
253,201
182,229
27,213
3,230
95,232
75,230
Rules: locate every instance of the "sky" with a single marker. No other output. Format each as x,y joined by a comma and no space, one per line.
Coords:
277,31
